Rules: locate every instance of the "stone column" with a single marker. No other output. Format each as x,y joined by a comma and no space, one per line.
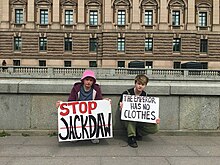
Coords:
5,14
216,26
191,24
81,15
135,24
30,15
56,15
0,12
108,15
163,23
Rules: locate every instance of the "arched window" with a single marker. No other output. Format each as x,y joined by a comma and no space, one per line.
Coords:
93,14
18,10
204,14
121,10
177,14
149,14
43,12
68,13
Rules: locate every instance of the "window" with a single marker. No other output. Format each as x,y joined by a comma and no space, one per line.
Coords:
68,44
68,17
43,43
92,64
93,44
177,65
17,44
203,45
94,13
42,62
121,10
17,12
67,63
204,15
121,64
16,62
148,17
121,44
44,16
67,12
149,64
19,16
177,14
121,17
149,44
176,44
176,18
93,18
44,10
203,19
149,14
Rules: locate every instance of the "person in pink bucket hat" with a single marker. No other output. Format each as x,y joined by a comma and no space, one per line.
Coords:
85,90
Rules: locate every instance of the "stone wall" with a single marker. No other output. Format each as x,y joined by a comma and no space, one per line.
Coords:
29,104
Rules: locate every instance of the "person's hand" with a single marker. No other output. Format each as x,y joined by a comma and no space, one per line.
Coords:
121,105
158,121
58,103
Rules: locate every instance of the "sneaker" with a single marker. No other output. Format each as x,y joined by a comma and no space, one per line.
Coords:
95,141
132,142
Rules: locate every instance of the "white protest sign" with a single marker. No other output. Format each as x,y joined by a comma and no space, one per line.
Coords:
82,120
140,108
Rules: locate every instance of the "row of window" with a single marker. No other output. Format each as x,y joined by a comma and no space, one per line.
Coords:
93,44
177,13
121,18
120,64
43,63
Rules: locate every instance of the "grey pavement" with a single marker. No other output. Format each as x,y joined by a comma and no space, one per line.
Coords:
153,150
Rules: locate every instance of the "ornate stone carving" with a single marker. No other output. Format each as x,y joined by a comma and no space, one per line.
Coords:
18,2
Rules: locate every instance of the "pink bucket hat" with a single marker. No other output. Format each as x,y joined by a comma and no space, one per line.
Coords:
88,73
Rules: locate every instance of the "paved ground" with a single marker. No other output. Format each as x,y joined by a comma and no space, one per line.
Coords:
153,150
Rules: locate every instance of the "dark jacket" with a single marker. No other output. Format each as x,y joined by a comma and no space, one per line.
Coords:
75,92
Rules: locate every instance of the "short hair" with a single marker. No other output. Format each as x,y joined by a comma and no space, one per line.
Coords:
142,78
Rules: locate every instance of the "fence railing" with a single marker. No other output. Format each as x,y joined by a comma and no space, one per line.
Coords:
55,72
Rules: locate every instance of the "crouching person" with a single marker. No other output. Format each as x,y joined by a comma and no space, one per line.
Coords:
136,130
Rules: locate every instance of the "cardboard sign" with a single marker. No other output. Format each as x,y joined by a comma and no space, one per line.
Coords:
82,120
140,108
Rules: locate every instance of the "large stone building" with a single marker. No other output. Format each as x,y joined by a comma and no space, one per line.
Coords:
110,33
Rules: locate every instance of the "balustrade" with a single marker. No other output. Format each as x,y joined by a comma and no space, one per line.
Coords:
108,72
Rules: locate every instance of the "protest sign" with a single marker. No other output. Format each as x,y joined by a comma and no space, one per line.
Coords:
82,120
140,108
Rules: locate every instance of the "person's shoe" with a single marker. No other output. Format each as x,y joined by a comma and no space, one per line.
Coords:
139,137
132,142
95,141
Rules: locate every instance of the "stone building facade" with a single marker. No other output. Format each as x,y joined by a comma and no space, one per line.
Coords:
110,33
